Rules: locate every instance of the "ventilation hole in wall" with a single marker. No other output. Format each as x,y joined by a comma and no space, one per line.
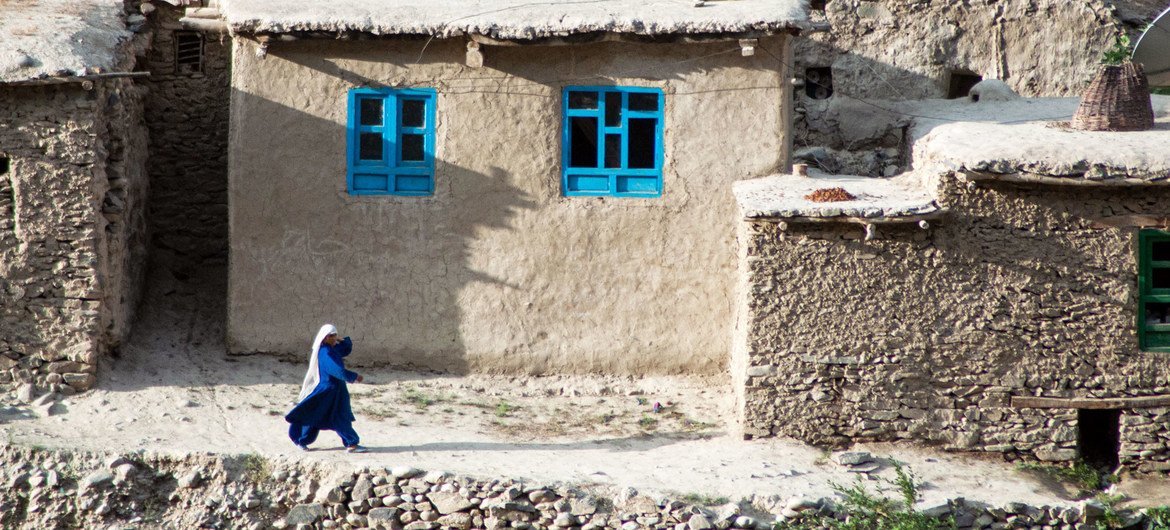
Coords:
961,82
1099,437
3,165
188,52
818,82
817,5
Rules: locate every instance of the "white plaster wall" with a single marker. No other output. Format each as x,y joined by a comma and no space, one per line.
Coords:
497,271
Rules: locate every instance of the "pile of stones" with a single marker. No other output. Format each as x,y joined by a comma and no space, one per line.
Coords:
58,489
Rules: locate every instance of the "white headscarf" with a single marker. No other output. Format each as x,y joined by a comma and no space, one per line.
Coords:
313,376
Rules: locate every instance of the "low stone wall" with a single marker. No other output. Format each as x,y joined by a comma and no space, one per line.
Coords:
72,229
47,490
929,334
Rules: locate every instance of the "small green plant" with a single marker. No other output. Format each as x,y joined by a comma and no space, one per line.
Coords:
505,409
648,423
255,468
1085,477
1158,518
704,500
867,510
421,399
1110,518
1119,53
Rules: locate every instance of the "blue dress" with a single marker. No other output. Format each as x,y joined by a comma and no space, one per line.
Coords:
327,407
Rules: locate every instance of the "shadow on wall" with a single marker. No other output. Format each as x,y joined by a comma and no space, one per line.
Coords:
304,251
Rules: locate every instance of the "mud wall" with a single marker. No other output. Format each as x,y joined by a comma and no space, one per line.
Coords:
928,334
497,271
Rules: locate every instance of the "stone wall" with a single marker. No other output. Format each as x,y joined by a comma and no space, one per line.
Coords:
188,109
72,229
497,271
49,490
928,334
878,51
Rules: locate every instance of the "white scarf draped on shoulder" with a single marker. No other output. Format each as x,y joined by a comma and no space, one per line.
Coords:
313,376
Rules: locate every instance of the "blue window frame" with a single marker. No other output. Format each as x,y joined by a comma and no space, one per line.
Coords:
612,141
391,141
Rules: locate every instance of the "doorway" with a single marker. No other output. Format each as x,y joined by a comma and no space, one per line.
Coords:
1099,437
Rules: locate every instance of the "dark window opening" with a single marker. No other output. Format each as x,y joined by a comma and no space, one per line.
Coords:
641,146
188,52
582,100
413,111
370,146
817,5
583,142
1099,438
961,83
1160,251
818,82
3,165
1160,278
412,148
370,112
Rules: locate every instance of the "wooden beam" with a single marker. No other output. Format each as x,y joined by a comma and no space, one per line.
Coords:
1031,402
901,219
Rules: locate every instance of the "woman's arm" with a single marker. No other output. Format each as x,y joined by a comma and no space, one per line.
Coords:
333,366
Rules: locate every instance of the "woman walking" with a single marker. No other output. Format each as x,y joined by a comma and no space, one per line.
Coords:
324,400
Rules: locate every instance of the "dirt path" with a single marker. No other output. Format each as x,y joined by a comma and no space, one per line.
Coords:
174,390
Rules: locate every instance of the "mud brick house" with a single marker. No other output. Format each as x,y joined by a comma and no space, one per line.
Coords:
1007,295
72,189
504,186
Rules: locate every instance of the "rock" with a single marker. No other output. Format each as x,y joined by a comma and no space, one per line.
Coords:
744,521
582,505
448,503
46,399
698,522
363,489
854,458
383,514
80,382
565,520
305,514
626,494
865,468
124,472
800,504
541,495
436,477
405,472
95,480
24,393
191,480
992,90
630,525
1056,455
458,521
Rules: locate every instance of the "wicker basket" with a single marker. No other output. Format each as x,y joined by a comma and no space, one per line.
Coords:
1118,99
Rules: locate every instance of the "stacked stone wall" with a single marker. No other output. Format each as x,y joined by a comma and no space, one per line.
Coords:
72,232
188,109
47,490
928,334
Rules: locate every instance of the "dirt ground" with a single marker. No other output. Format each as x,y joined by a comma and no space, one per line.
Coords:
174,390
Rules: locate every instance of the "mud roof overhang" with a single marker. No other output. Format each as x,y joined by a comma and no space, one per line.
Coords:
44,41
517,21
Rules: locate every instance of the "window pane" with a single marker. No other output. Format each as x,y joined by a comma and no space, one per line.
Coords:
1160,278
412,148
643,101
583,142
1157,313
582,100
370,147
641,143
370,111
412,112
613,150
1160,251
613,109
